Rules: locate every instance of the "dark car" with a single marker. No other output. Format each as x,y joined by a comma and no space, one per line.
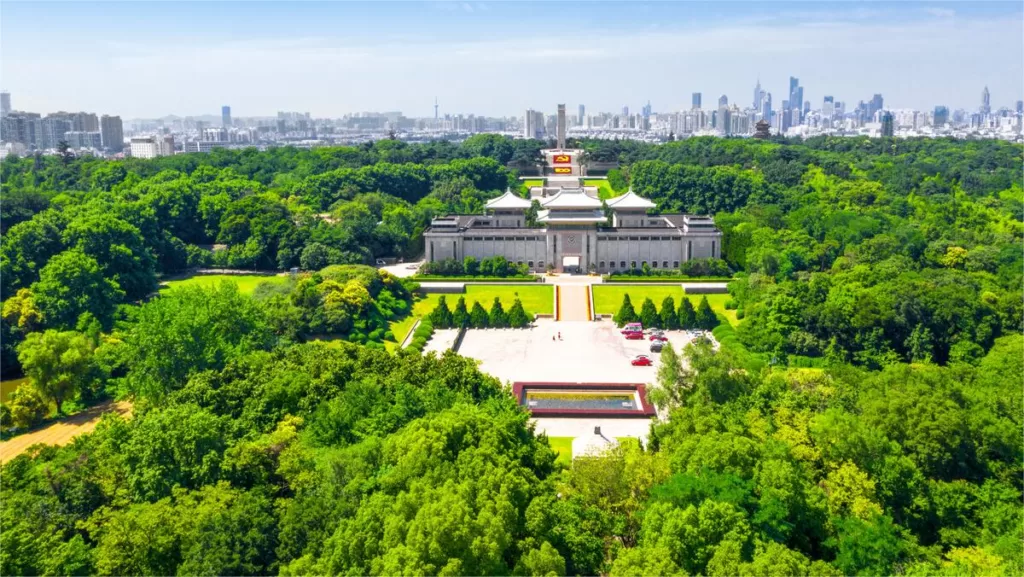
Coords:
656,346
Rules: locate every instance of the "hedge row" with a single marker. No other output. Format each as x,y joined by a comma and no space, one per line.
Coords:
421,335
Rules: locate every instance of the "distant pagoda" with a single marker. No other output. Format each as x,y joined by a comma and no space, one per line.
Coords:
762,129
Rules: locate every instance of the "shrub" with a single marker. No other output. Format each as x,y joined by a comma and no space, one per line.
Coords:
27,407
478,318
626,314
731,305
441,316
739,314
687,316
706,318
460,317
668,314
649,314
497,317
517,317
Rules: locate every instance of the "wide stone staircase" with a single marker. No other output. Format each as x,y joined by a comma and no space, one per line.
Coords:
574,303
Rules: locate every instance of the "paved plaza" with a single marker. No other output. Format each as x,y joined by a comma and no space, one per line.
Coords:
589,352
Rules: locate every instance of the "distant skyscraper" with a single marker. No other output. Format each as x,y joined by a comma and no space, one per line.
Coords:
766,107
786,116
875,105
758,95
561,126
580,120
225,116
625,111
986,103
5,103
828,109
887,122
646,110
794,83
941,116
696,100
1020,107
723,100
533,124
112,131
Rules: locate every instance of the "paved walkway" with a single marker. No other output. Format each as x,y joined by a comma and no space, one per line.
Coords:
573,302
62,432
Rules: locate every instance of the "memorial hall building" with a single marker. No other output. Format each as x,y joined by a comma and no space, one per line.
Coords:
573,232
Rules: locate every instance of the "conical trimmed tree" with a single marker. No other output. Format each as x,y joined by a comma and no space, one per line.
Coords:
687,316
626,314
517,317
649,314
706,318
478,318
441,316
498,317
669,317
460,316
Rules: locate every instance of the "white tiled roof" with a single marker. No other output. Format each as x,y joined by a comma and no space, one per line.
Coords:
630,200
508,200
571,198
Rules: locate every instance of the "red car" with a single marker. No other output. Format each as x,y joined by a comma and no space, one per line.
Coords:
659,337
634,336
642,361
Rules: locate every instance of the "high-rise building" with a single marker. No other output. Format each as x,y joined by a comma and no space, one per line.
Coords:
986,103
83,139
828,109
887,123
625,111
1020,107
696,101
533,124
723,100
560,129
758,95
5,103
785,117
766,107
580,120
941,117
225,116
794,83
53,129
875,105
645,111
112,131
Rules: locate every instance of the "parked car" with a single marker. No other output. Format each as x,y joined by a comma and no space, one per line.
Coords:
656,346
632,327
659,337
642,361
633,335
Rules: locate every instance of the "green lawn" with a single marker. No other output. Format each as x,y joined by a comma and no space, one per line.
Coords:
604,189
530,182
608,298
246,283
563,448
537,299
8,387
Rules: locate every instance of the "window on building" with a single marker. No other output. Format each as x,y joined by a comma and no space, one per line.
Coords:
712,248
675,264
601,264
540,264
654,264
664,264
530,263
623,264
632,264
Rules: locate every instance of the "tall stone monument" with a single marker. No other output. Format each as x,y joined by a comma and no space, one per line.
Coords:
561,127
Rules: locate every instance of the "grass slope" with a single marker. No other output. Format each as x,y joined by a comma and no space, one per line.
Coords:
246,283
604,190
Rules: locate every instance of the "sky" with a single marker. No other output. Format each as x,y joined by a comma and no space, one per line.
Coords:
151,59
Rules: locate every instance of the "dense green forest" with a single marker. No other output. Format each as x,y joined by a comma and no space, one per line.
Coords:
895,265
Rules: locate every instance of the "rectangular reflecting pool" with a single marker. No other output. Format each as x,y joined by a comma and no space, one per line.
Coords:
584,399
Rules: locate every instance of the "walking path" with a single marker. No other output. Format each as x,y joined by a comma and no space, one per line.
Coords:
574,302
62,432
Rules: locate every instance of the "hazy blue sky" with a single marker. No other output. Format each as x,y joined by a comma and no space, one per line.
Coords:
148,59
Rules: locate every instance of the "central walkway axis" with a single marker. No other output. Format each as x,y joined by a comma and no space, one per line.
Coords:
574,302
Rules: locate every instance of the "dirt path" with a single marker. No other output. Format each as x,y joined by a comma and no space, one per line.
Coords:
572,303
62,432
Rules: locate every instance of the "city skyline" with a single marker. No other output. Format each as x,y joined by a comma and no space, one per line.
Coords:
691,48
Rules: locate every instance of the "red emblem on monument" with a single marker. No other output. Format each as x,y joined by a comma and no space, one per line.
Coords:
562,159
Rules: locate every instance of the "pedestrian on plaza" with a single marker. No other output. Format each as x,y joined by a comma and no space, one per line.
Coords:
559,335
